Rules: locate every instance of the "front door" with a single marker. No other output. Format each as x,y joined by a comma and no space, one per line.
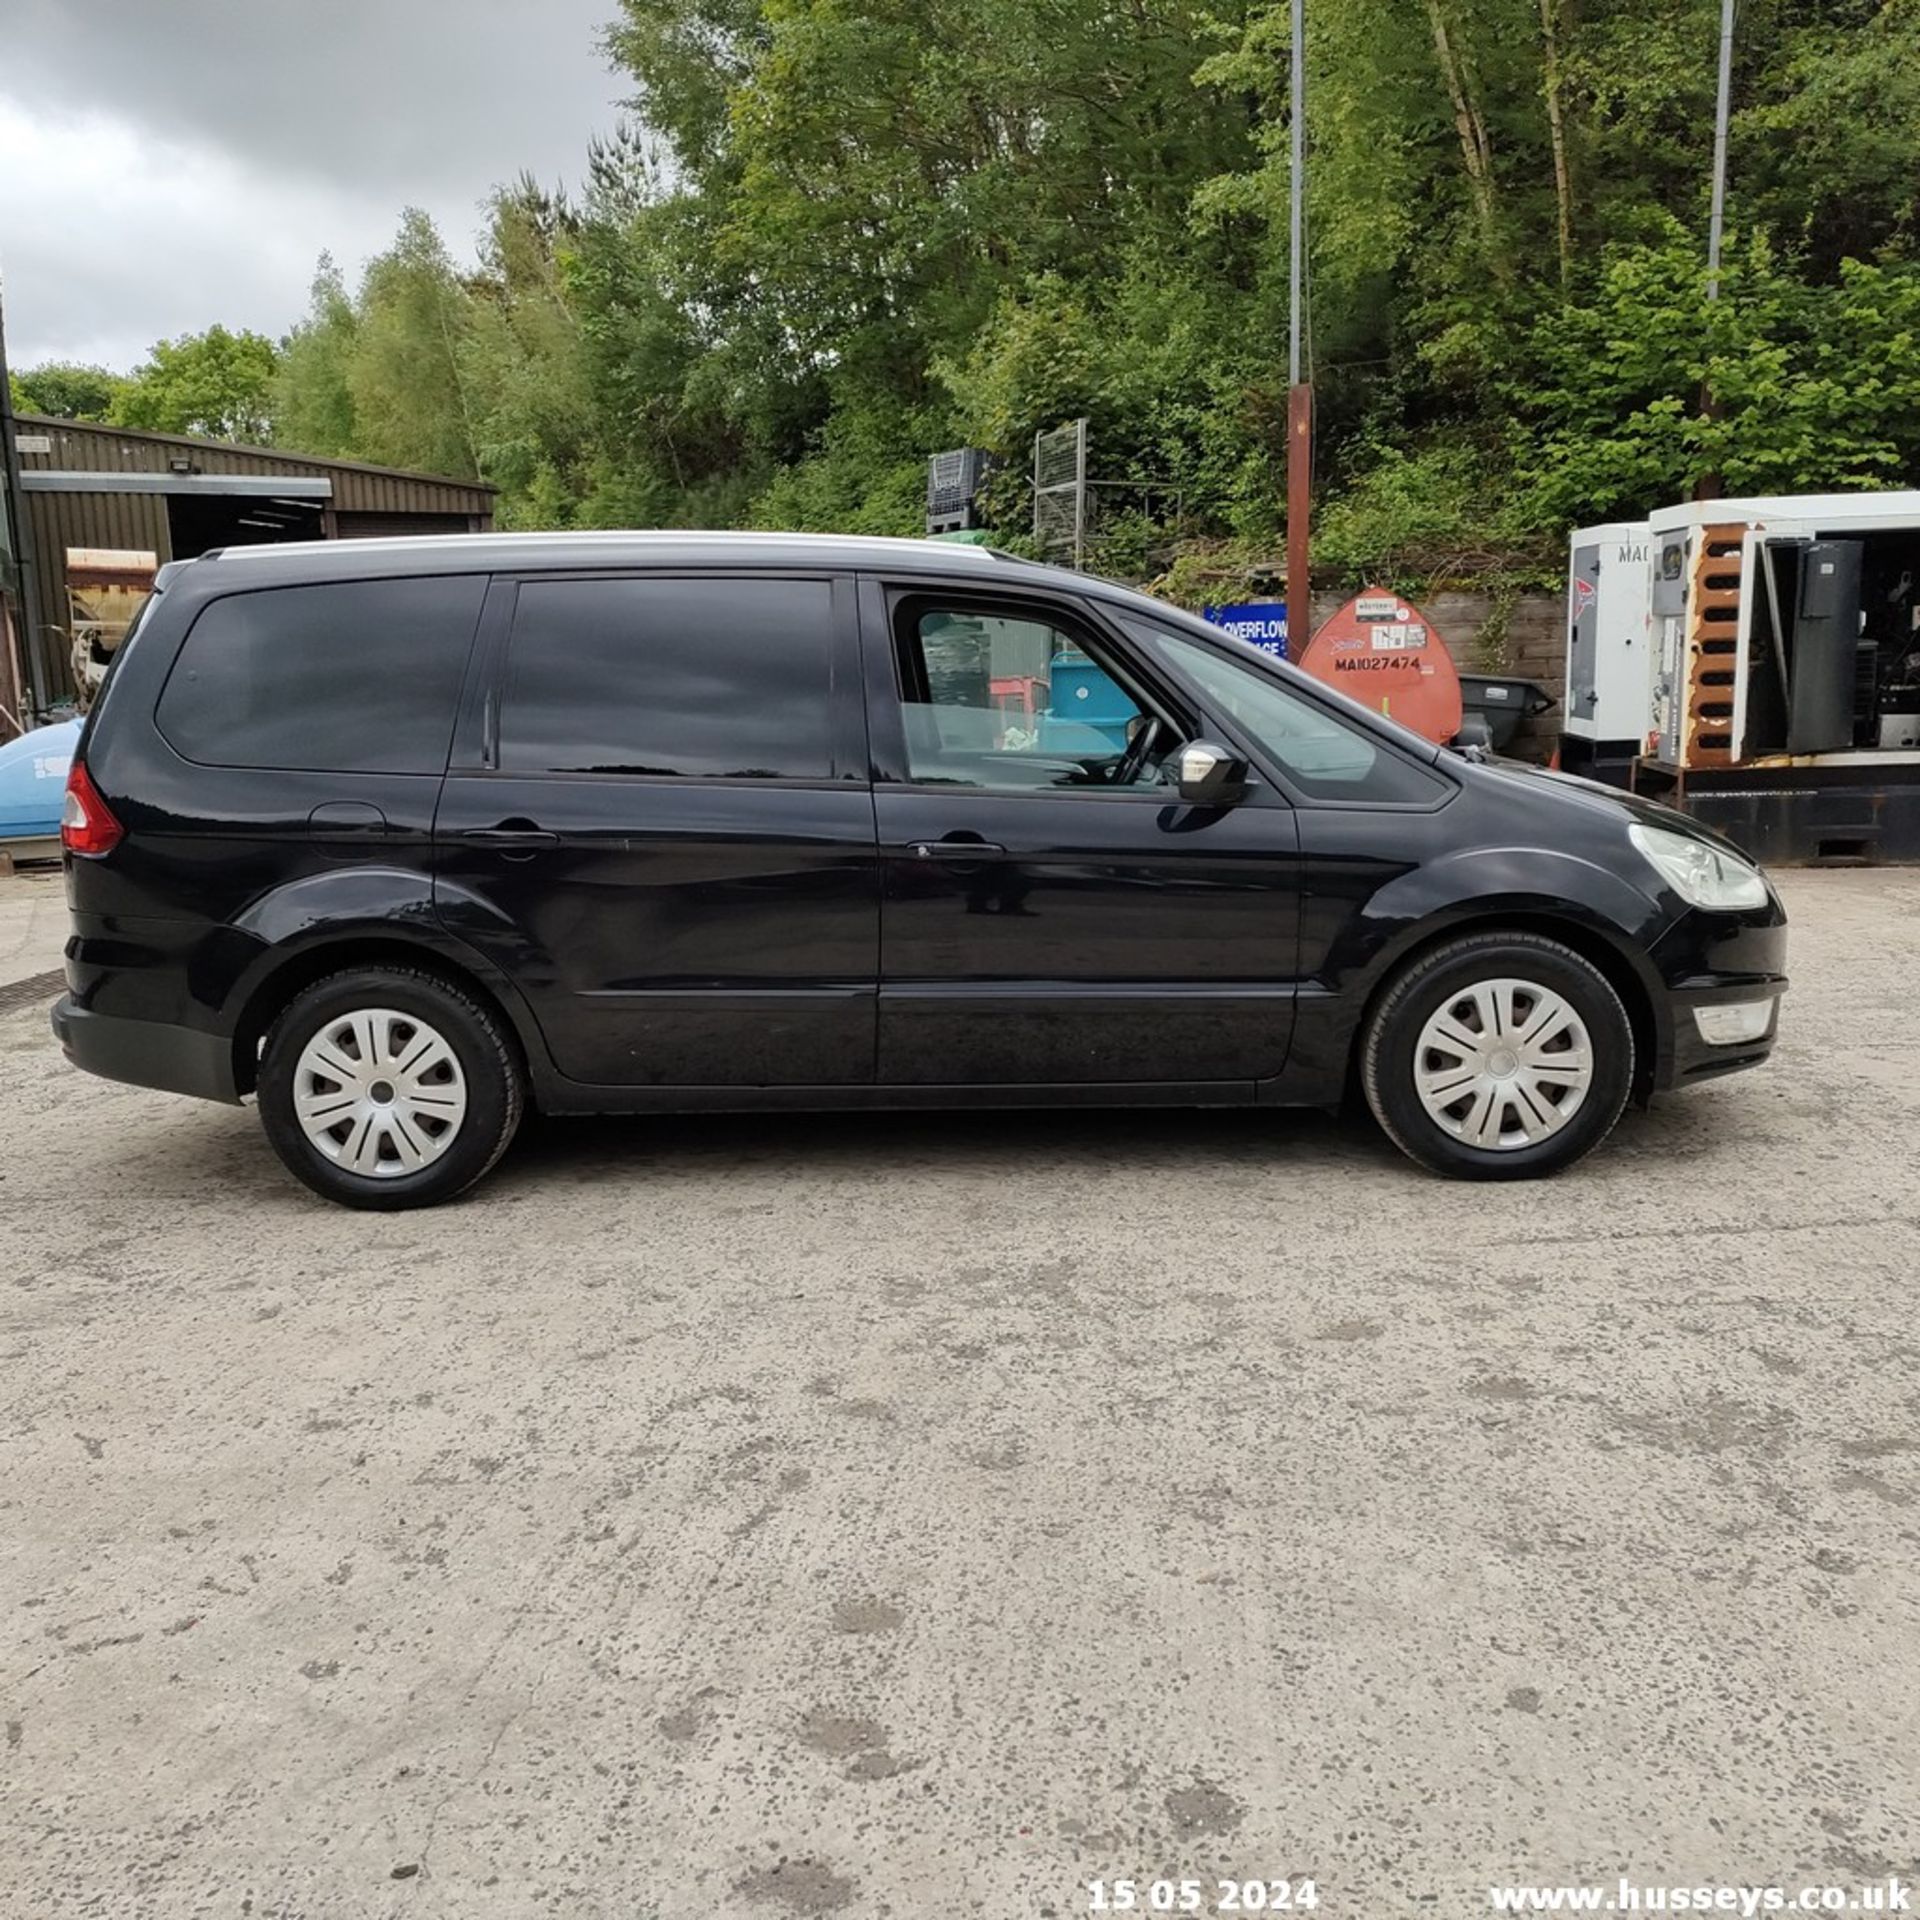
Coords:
658,825
1052,913
1366,809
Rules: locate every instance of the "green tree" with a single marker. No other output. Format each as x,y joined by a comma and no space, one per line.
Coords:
67,390
313,384
1829,151
410,401
855,231
689,390
522,363
1813,385
214,383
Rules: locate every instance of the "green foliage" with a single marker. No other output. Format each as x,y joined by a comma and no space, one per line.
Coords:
214,383
1424,516
1828,152
409,399
312,387
67,390
522,365
854,232
1782,385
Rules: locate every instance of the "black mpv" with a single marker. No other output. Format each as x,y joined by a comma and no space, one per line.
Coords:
399,836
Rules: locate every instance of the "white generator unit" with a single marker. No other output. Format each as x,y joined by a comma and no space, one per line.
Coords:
1610,654
1785,632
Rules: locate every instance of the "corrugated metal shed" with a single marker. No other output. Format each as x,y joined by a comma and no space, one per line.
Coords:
169,494
80,446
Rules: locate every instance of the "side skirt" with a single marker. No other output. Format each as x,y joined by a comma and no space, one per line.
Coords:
555,1096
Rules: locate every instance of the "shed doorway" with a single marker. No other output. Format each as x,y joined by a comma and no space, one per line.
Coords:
199,522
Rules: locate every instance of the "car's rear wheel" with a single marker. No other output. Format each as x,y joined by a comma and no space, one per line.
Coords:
385,1088
1498,1056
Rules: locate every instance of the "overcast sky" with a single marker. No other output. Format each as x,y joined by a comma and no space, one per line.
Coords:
168,163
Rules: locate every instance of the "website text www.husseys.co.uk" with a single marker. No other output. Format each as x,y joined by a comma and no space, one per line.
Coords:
1627,1896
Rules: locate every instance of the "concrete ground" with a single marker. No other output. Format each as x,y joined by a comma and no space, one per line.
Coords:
929,1516
33,921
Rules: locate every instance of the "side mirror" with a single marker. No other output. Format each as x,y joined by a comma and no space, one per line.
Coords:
1210,775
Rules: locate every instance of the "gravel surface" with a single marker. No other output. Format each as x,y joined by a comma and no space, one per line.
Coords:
926,1516
33,922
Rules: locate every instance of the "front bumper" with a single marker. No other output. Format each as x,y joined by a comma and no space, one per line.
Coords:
1694,1057
1718,960
146,1053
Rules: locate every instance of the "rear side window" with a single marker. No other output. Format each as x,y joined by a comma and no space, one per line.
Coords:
358,677
705,679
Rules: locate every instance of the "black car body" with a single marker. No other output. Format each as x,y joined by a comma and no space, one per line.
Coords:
712,821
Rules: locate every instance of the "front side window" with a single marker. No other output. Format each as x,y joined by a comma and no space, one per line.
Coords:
704,679
357,677
1019,704
1320,753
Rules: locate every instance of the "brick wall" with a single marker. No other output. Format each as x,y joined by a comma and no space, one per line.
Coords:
1531,643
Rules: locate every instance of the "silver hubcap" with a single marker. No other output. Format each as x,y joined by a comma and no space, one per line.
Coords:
379,1093
1504,1064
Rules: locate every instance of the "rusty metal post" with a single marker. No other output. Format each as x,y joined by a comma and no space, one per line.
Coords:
1299,506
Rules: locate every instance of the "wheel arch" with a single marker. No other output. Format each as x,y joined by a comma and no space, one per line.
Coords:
1612,957
294,970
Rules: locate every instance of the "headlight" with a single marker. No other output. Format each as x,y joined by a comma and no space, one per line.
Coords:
1700,874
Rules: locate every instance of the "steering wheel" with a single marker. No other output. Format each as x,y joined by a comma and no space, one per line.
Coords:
1126,769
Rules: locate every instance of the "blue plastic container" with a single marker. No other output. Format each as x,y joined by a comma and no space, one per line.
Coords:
1083,696
33,781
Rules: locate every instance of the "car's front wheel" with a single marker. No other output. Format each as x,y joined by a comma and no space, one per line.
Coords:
385,1087
1498,1056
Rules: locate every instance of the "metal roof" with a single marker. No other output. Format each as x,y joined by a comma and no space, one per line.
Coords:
88,485
120,454
1835,512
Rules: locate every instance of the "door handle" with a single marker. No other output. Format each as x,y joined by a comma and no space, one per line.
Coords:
514,839
955,849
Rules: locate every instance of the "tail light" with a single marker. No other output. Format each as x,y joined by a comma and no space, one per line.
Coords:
87,825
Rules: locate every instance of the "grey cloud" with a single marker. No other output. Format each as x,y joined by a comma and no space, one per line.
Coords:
415,99
329,117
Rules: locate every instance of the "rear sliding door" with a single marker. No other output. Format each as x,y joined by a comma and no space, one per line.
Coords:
658,823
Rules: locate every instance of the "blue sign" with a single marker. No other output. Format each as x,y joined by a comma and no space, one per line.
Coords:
1260,623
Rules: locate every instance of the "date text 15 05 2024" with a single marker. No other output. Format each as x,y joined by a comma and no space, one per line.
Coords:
1202,1896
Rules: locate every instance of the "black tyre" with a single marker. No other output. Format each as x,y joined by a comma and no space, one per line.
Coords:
1498,1056
386,1088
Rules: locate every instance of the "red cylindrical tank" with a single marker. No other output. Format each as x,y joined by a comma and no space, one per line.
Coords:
1384,652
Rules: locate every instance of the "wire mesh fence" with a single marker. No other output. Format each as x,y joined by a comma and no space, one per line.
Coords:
1060,493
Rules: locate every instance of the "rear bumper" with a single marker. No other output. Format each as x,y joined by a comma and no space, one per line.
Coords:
146,1053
